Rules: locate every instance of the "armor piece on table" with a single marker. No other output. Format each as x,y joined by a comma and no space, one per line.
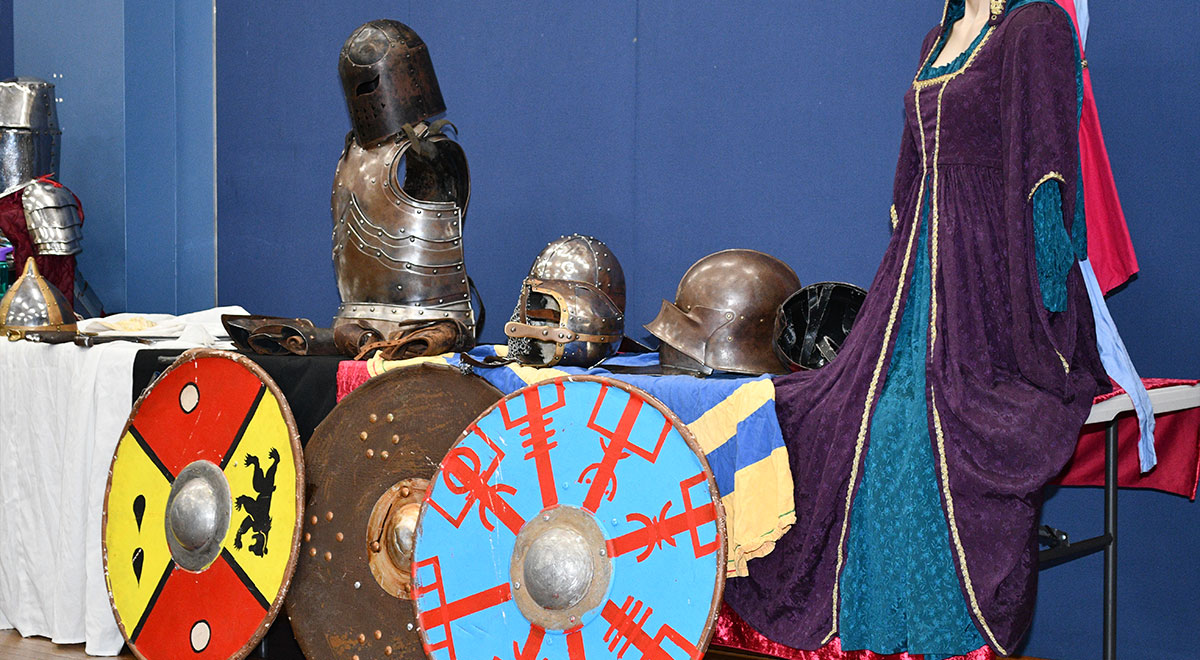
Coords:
812,323
723,315
203,509
397,238
268,335
29,132
388,80
368,465
576,517
572,305
33,303
54,218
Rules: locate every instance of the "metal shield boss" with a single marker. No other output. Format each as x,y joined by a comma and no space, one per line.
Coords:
202,511
575,518
368,467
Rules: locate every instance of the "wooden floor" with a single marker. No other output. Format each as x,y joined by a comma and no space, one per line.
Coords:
14,647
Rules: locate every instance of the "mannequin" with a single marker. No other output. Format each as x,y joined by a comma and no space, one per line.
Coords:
920,453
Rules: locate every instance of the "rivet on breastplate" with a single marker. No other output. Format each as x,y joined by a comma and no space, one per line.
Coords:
407,266
458,268
402,228
435,271
372,180
446,314
439,215
420,311
456,242
412,239
419,211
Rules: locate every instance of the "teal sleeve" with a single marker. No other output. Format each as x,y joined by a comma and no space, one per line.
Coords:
1054,251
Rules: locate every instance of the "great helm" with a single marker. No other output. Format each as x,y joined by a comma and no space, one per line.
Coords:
388,80
29,133
572,305
723,317
813,323
33,303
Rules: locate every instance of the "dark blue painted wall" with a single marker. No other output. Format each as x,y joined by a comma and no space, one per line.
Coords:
674,129
135,83
6,38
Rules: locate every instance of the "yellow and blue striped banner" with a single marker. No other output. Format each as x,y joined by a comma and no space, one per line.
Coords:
733,419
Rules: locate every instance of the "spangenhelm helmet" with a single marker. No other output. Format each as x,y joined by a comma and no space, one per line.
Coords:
388,80
572,305
813,323
33,303
723,317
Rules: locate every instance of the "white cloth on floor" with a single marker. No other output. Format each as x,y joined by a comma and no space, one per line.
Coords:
62,409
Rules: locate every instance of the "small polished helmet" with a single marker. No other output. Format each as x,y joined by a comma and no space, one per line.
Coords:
572,306
813,323
723,317
33,303
388,80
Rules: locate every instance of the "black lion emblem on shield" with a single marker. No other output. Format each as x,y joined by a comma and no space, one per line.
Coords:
258,509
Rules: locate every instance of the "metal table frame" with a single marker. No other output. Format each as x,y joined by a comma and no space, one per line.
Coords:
1062,549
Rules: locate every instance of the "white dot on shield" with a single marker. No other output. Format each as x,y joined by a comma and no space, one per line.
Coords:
189,396
201,634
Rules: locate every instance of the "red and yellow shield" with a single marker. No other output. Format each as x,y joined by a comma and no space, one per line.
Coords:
203,509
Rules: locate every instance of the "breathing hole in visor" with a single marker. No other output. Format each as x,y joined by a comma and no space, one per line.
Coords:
367,87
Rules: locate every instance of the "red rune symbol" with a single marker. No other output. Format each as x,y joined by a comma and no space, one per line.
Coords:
532,645
575,644
538,436
622,624
604,482
661,529
446,613
461,470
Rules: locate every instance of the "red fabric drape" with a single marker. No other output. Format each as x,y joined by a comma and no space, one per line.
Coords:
1110,250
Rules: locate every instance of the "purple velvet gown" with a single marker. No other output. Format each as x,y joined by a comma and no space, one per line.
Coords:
1007,383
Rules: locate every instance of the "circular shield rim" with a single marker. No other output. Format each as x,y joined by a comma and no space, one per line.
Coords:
192,355
382,381
684,431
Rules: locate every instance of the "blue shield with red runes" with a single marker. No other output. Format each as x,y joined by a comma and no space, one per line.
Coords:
576,518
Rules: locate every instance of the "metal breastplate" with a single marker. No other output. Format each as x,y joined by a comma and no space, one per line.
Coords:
398,260
53,218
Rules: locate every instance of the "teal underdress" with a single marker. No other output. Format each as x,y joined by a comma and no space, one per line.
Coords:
900,591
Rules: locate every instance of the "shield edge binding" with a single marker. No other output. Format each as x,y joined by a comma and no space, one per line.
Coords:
192,355
688,437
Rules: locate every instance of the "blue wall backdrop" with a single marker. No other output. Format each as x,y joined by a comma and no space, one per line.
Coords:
135,79
675,129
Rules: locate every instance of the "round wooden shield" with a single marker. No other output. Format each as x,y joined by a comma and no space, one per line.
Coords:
577,518
368,467
202,514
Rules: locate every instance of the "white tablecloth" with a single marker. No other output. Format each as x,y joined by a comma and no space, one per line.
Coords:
62,409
